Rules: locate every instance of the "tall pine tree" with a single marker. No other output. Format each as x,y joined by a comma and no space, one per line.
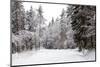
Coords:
83,23
17,16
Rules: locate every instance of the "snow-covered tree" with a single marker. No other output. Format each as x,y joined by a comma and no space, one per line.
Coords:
52,34
69,34
83,24
66,34
17,16
35,21
40,19
24,40
30,20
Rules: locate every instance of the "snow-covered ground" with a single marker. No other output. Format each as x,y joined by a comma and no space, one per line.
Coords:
51,56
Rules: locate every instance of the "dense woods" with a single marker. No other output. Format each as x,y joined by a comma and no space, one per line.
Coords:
75,28
84,24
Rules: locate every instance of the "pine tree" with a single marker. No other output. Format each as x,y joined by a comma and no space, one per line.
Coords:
30,20
81,17
18,16
40,20
66,33
53,34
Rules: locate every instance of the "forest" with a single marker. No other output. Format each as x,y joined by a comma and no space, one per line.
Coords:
75,28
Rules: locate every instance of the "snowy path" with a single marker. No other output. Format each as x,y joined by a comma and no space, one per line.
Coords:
50,56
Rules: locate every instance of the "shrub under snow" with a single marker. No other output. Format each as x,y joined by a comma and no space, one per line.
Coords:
24,40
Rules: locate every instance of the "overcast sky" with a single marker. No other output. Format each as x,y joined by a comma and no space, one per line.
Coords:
49,10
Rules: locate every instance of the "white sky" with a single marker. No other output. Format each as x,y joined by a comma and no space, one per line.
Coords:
49,10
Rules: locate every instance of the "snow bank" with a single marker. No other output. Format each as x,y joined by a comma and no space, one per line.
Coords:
51,56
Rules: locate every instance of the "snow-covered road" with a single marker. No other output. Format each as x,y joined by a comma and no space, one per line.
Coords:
51,56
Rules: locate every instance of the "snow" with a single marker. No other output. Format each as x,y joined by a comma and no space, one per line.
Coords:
52,56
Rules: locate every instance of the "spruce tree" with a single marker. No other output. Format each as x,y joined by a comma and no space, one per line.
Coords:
82,25
17,16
